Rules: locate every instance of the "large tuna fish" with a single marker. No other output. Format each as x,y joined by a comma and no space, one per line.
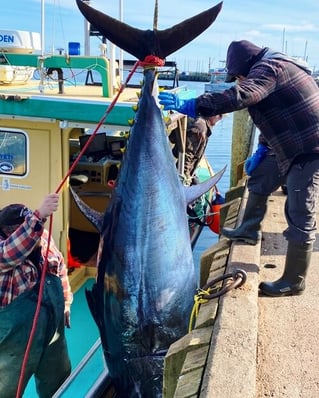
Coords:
143,295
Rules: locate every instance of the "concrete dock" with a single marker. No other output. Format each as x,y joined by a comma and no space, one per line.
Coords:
259,347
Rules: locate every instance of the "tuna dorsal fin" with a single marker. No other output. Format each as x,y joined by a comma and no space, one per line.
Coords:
195,191
141,43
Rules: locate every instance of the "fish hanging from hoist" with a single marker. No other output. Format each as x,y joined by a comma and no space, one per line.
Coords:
143,294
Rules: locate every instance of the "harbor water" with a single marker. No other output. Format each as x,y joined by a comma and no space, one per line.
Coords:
218,153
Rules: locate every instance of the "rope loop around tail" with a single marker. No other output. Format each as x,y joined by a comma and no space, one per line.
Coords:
151,61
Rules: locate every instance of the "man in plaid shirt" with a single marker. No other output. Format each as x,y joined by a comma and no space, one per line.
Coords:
23,246
282,98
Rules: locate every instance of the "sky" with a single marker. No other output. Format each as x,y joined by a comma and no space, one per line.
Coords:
282,25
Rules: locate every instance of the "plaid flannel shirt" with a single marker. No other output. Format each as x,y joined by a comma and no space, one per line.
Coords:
283,101
17,272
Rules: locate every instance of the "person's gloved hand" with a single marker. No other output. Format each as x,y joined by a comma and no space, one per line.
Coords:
172,101
253,161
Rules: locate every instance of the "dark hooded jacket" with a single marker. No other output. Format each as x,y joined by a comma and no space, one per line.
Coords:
280,94
241,56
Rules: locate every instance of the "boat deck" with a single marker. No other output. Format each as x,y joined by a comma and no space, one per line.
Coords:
78,102
73,98
72,92
83,340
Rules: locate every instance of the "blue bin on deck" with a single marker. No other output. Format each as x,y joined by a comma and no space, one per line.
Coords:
74,48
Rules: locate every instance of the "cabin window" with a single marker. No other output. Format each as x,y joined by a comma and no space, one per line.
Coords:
13,153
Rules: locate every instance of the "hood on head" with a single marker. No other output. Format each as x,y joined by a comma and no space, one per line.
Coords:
241,56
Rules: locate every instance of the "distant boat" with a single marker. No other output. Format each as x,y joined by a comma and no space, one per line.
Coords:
194,76
217,80
173,73
18,42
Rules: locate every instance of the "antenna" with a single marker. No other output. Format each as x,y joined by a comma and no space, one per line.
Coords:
42,28
283,40
121,68
41,58
305,52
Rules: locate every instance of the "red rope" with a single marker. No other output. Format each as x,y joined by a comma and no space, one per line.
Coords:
149,61
35,318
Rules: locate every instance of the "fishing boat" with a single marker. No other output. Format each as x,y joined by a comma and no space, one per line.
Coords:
45,125
17,41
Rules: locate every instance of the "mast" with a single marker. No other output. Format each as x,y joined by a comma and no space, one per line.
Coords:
42,28
121,67
41,58
305,56
87,49
284,42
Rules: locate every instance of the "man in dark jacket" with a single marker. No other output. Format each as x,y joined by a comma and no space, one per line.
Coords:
283,100
197,135
264,179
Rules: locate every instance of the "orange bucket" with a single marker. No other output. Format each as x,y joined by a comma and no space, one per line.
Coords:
72,262
213,219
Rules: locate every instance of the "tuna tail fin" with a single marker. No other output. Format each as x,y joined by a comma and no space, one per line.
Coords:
195,191
141,43
95,217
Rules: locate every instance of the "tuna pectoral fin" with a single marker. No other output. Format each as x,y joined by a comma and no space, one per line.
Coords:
195,191
95,217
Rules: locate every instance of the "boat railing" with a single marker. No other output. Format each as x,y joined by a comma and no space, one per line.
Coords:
81,368
90,63
168,72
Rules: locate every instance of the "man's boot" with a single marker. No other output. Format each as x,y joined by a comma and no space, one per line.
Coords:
249,230
292,281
